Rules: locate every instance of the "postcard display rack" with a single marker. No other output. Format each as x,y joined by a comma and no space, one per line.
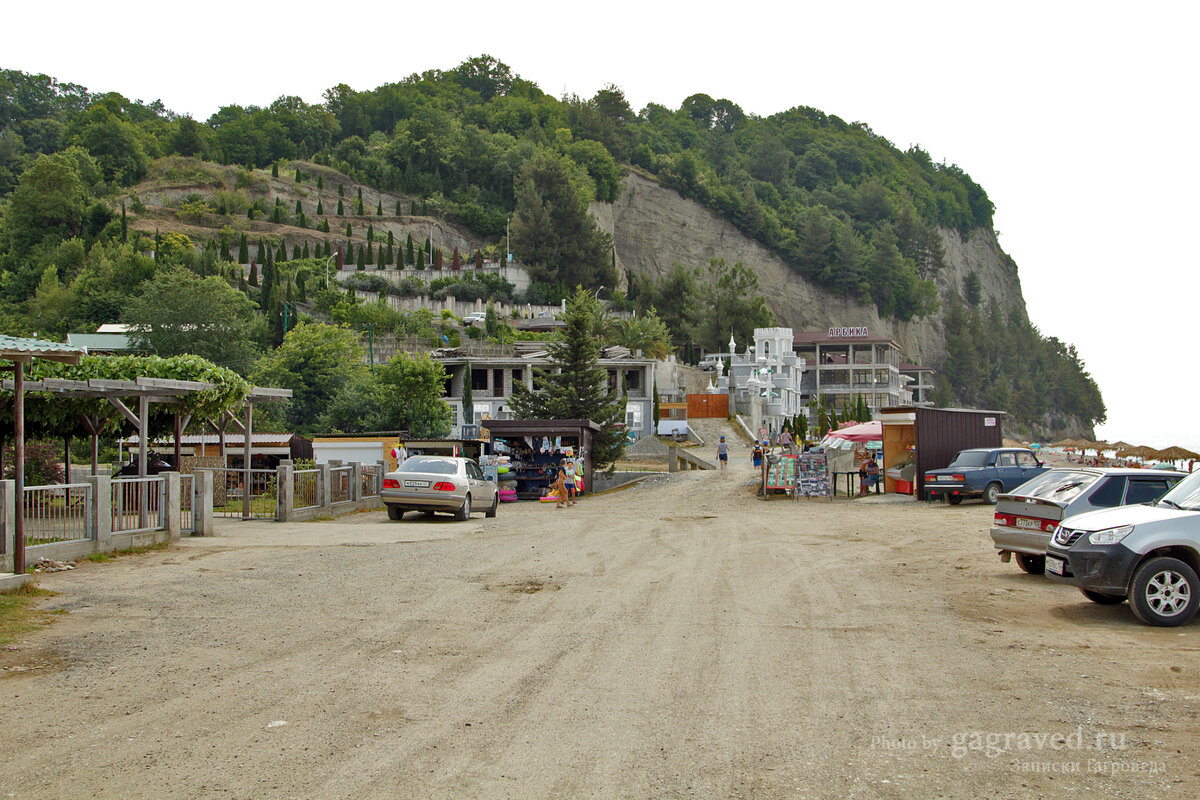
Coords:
813,476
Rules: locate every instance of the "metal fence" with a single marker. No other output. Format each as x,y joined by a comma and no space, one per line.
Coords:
57,513
372,480
340,481
187,503
228,495
138,504
306,488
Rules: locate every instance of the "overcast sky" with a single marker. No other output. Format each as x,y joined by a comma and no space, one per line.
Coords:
1077,118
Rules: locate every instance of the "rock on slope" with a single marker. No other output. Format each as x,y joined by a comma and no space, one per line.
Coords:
653,228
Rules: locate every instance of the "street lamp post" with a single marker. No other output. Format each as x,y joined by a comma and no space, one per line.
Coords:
331,258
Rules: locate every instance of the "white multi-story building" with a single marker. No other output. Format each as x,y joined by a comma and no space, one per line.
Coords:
767,379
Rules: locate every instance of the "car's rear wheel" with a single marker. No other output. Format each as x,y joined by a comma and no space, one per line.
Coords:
1034,565
491,512
464,511
954,499
1103,599
395,512
1165,592
991,494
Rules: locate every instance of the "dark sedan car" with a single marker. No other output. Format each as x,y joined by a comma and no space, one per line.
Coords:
1027,516
984,472
439,483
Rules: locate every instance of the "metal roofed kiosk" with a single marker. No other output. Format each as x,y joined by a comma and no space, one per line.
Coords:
20,352
580,429
937,434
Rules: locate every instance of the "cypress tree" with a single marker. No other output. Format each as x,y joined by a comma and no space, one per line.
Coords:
409,257
304,252
281,256
424,207
360,195
370,259
295,252
341,209
420,259
358,207
320,207
124,226
428,245
254,273
325,226
397,208
326,252
478,260
277,213
299,208
390,256
371,232
297,178
275,169
455,260
258,252
379,209
225,250
320,181
243,250
362,258
341,193
437,259
391,238
348,231
300,287
241,280
301,220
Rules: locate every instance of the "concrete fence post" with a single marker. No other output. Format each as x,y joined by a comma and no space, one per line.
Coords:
202,508
8,522
171,505
285,492
356,481
326,484
100,511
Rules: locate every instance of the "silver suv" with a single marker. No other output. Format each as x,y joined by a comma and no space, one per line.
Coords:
1026,516
1147,553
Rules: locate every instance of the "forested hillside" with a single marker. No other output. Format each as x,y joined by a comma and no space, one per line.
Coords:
478,146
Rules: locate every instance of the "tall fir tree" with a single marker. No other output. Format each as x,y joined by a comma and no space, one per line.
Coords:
320,181
295,252
304,252
398,208
299,207
341,193
409,255
579,390
371,232
362,258
320,207
370,260
420,259
281,256
274,169
379,209
349,233
341,210
243,250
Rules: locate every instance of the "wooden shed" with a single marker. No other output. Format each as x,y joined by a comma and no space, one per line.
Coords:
932,436
528,435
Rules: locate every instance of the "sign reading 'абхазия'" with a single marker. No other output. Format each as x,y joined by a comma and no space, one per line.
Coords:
848,333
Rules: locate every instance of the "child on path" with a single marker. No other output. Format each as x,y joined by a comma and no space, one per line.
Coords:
560,487
568,470
723,452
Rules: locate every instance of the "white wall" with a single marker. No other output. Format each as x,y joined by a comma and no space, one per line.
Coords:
366,452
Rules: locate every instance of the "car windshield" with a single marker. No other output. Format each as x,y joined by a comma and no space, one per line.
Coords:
970,458
437,466
1059,485
1185,494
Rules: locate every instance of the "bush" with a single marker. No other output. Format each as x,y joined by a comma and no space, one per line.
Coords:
42,465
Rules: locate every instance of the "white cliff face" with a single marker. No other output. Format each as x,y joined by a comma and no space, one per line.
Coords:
654,227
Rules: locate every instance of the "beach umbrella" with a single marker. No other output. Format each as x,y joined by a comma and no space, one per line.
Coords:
1120,445
1176,453
1140,451
863,432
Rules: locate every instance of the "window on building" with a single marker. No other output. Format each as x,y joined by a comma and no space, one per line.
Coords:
498,383
633,380
479,380
633,416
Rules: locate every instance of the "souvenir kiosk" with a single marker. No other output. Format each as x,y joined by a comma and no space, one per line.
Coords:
923,438
534,447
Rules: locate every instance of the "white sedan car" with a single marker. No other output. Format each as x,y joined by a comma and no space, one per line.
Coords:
439,483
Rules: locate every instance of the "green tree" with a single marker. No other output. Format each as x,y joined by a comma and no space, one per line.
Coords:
179,312
579,390
314,361
552,231
341,210
243,250
732,305
468,399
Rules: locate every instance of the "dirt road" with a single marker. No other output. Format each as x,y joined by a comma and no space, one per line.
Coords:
679,639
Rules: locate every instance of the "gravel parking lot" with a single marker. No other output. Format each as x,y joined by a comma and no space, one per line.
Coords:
677,639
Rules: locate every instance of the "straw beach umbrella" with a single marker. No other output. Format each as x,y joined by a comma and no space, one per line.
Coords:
1175,453
1140,451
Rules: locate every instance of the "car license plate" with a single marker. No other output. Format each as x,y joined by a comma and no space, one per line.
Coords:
416,484
1054,565
1033,524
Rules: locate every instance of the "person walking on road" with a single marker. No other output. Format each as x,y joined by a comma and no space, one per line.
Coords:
723,452
785,441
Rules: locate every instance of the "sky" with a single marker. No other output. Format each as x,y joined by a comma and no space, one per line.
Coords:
1077,118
